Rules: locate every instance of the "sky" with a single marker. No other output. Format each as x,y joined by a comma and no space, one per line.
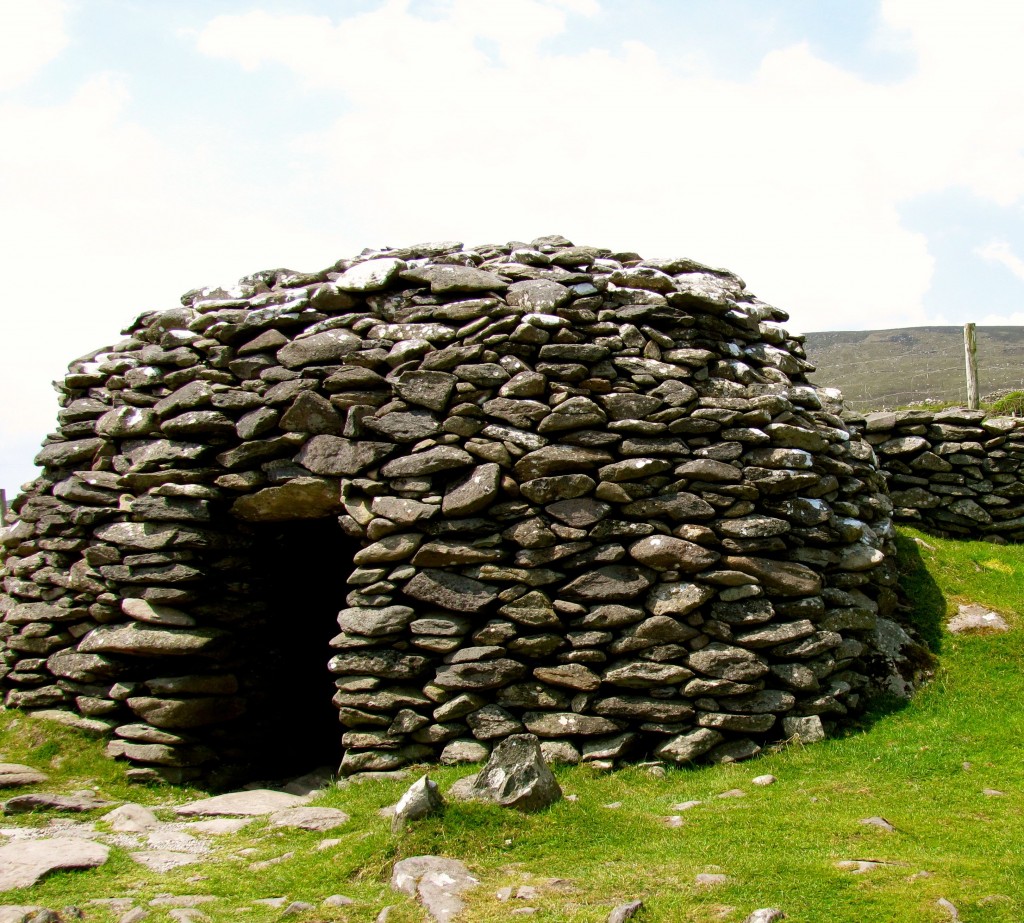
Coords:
859,163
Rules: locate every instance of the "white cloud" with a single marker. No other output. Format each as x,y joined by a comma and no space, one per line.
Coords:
99,221
32,33
999,251
793,178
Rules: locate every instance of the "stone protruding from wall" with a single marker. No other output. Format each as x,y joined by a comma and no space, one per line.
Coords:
586,495
954,472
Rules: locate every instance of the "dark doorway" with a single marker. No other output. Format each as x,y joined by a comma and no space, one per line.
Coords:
298,580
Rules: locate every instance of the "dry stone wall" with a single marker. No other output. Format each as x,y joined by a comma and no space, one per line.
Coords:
585,494
954,472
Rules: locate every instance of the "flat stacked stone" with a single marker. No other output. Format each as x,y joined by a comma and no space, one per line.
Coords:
593,498
954,472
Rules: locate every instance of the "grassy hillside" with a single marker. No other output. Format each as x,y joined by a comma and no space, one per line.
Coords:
929,768
878,369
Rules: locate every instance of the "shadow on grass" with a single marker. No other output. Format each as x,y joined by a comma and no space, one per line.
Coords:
925,606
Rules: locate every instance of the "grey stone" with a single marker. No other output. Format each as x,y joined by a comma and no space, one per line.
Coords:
489,674
404,426
464,751
63,454
306,817
450,591
677,599
443,279
300,498
47,801
432,390
642,674
726,662
329,346
765,915
431,461
537,296
665,552
186,713
254,803
474,493
687,747
144,611
807,730
624,912
562,724
609,584
13,775
787,578
375,622
332,455
24,862
516,776
311,413
437,883
131,818
420,800
973,618
139,640
370,275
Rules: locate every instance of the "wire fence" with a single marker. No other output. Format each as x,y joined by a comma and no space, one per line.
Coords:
932,371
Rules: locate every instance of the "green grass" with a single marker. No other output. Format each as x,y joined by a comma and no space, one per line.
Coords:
778,845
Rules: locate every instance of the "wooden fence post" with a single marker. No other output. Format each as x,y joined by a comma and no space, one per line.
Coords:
3,507
971,356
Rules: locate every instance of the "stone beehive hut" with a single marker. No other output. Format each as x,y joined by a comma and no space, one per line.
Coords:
446,494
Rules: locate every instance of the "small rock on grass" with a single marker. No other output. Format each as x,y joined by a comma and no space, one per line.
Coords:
135,915
337,900
420,800
246,804
516,776
972,618
685,805
297,907
268,863
24,862
131,818
710,879
880,822
187,915
625,912
948,906
44,801
765,915
733,793
18,913
14,774
321,819
764,780
436,881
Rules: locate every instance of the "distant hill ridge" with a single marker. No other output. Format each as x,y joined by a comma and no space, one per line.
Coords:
878,369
